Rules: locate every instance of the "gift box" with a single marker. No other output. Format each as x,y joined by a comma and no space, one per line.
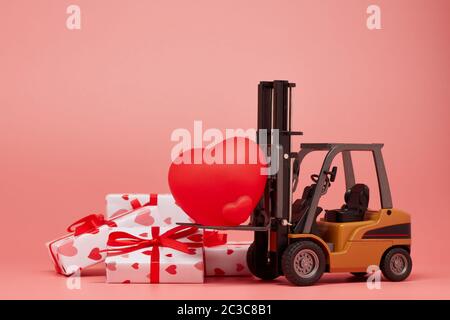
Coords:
155,255
229,259
85,244
168,211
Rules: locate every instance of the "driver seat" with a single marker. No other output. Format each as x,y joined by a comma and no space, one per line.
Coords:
356,204
301,206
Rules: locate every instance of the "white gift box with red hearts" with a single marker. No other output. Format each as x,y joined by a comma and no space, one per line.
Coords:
79,250
168,211
229,259
133,258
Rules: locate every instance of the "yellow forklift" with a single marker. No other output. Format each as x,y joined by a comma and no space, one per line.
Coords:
289,239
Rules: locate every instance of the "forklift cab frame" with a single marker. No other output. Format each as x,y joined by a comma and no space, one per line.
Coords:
345,149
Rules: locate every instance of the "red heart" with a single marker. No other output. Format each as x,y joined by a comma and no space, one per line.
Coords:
147,252
144,234
239,267
219,272
222,194
126,281
95,254
125,197
230,251
169,255
199,265
195,237
236,212
144,218
67,249
168,220
111,266
135,265
172,269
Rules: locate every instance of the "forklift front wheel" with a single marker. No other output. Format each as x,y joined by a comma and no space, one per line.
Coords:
303,263
257,268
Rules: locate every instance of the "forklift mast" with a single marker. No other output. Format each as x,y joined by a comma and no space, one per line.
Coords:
274,209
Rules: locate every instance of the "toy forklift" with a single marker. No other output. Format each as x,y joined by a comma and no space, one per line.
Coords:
290,241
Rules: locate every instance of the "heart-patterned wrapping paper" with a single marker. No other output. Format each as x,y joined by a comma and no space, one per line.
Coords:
144,265
118,203
229,259
73,252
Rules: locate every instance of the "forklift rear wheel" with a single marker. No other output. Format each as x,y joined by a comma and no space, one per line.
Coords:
303,263
396,264
262,271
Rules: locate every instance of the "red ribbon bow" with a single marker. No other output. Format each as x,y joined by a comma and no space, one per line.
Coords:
89,224
125,242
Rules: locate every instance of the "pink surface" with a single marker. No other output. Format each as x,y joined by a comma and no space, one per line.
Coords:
90,112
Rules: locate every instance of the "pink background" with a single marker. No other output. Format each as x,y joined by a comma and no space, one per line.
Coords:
90,112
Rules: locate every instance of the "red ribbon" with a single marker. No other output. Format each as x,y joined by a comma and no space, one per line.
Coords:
126,242
214,238
89,224
153,201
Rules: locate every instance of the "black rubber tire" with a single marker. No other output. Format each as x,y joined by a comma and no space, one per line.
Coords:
263,272
359,274
287,263
386,264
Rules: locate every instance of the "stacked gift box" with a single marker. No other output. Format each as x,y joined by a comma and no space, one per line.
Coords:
139,241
